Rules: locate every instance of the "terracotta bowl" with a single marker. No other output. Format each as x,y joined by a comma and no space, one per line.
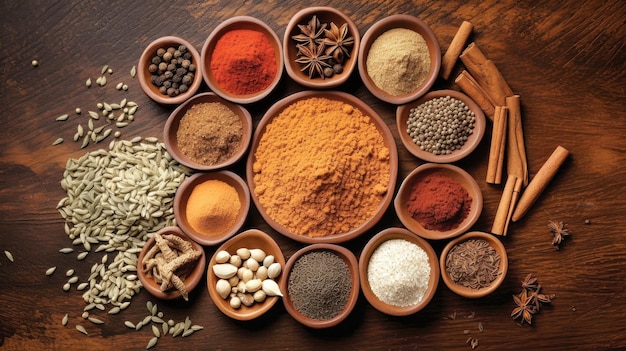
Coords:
185,190
382,128
251,239
400,21
239,23
364,259
173,123
143,74
192,279
324,15
349,258
469,292
402,115
454,172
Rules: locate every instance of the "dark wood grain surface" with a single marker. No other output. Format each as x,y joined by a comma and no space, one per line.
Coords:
565,59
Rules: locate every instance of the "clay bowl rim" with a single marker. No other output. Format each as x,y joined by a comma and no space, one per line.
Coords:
184,191
366,254
173,122
191,281
143,75
382,128
400,21
353,265
402,115
474,293
325,14
457,173
245,313
240,22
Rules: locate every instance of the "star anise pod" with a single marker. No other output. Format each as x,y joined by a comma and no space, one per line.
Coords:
530,282
558,231
337,39
537,298
313,59
525,308
310,32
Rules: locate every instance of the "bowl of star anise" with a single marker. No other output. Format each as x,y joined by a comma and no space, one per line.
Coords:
320,47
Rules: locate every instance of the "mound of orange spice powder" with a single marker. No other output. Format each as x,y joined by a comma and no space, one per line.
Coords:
321,168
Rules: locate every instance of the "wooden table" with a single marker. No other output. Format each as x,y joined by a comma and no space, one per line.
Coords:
565,59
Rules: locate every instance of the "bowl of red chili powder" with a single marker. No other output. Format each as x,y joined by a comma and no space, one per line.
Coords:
321,46
242,60
438,201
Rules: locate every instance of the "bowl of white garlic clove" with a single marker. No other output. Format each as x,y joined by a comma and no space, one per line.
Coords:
244,275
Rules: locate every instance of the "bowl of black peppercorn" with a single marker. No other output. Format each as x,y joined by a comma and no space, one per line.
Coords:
168,70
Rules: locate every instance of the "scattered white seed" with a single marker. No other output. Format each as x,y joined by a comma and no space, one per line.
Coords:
152,342
58,141
64,320
50,270
66,250
81,329
63,117
35,63
69,273
8,255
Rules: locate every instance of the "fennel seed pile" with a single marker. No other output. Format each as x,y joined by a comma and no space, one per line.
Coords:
115,200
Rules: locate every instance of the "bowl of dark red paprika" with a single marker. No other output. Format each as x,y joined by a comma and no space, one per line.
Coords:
320,285
242,60
168,70
321,46
208,133
474,265
443,126
438,201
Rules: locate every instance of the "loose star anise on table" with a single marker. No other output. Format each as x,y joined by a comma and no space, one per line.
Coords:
529,301
559,232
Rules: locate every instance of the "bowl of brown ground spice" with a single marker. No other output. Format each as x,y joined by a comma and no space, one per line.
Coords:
211,207
438,201
322,167
171,265
208,133
321,46
168,70
399,59
474,265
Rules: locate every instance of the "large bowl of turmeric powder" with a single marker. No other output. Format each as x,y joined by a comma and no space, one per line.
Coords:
322,167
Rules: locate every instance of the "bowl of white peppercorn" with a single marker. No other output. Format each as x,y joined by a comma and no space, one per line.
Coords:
168,70
443,126
399,272
244,275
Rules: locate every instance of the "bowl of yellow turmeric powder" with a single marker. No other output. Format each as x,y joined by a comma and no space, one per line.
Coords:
211,207
322,167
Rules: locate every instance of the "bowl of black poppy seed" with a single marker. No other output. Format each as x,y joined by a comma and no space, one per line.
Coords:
321,46
443,126
168,70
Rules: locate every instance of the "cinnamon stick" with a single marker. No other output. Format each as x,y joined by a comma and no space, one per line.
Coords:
456,46
503,213
498,146
470,87
516,150
538,184
486,74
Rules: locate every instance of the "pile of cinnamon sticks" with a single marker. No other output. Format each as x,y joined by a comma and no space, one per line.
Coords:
482,81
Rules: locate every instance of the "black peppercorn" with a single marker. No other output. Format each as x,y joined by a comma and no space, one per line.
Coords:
182,48
156,60
162,66
172,69
167,57
183,88
337,68
328,72
160,52
152,68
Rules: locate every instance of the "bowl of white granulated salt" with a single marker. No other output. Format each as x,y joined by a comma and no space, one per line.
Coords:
399,272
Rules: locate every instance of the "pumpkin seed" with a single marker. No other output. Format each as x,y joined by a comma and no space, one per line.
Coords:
73,280
81,256
66,250
64,320
156,331
50,271
129,324
152,342
114,310
95,320
69,273
66,287
63,117
58,141
8,255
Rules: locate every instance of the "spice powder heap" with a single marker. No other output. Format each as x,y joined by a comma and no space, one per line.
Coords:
213,207
321,168
209,133
473,264
439,202
398,61
320,285
398,272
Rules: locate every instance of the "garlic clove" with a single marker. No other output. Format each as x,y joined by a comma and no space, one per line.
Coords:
274,270
223,288
271,288
254,285
257,254
224,270
269,259
222,257
244,253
